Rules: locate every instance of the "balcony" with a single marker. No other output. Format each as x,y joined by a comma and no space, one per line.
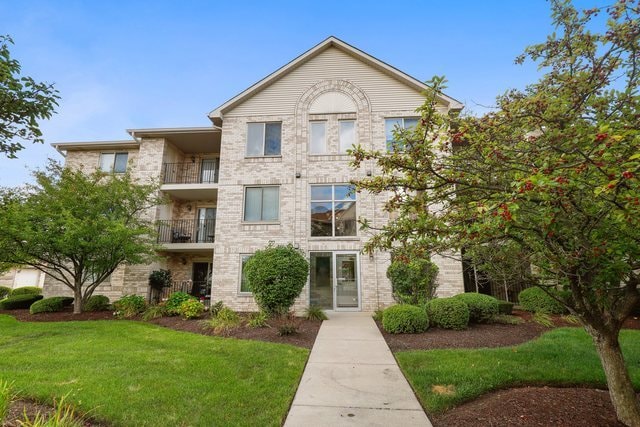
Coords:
186,234
191,180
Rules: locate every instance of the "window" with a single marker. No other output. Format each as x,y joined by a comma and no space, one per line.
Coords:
244,286
398,123
317,138
261,204
114,162
347,135
263,139
333,211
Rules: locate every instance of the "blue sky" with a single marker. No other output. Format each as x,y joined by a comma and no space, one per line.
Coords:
132,64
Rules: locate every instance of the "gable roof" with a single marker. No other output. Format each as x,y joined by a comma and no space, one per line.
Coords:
314,51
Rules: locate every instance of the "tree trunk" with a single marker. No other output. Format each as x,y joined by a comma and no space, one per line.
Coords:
77,300
621,389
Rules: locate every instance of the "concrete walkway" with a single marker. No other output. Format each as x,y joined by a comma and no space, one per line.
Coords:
352,379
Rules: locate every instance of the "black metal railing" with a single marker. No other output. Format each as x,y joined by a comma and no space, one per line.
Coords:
199,289
186,231
203,172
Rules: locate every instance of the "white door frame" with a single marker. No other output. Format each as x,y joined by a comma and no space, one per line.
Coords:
335,281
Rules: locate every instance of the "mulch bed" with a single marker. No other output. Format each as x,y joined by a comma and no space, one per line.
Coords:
534,406
304,337
527,406
21,407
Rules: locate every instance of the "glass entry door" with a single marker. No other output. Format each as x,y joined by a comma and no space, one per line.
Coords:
206,225
334,283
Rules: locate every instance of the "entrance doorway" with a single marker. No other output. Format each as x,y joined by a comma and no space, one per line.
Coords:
334,280
201,280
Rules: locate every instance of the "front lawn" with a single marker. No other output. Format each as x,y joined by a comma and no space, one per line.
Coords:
130,373
561,357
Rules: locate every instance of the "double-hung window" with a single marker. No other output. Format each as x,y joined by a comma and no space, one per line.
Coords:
397,123
318,137
264,139
262,204
347,135
333,211
114,162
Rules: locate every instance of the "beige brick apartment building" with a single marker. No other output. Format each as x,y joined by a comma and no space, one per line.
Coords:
273,168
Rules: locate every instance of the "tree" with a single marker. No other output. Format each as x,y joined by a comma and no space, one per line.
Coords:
554,169
23,102
77,228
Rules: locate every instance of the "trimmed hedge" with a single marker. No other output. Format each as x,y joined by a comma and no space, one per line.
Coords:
482,307
505,307
4,291
412,281
26,290
537,300
19,301
405,319
50,305
97,303
448,313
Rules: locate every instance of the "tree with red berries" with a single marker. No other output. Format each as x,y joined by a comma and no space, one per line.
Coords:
553,169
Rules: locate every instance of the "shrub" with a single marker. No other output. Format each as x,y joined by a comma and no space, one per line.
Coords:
175,300
50,305
215,308
19,301
543,319
482,307
288,328
159,279
536,299
4,291
276,276
191,308
505,307
405,319
314,312
154,311
413,281
225,320
377,315
448,313
129,306
26,290
507,319
257,320
97,303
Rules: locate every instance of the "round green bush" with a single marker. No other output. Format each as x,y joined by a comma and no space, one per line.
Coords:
175,300
448,313
535,299
413,281
26,290
191,308
4,291
97,303
276,276
19,301
50,305
482,308
405,319
129,305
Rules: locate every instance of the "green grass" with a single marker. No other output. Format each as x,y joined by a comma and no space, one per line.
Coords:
132,373
562,357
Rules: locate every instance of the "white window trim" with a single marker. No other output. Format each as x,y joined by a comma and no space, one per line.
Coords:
355,135
113,165
326,130
402,118
264,141
240,291
333,210
244,204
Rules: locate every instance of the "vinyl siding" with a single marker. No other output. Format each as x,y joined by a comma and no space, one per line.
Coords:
384,92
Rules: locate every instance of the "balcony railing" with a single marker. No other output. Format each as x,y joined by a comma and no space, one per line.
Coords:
203,172
199,289
186,231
